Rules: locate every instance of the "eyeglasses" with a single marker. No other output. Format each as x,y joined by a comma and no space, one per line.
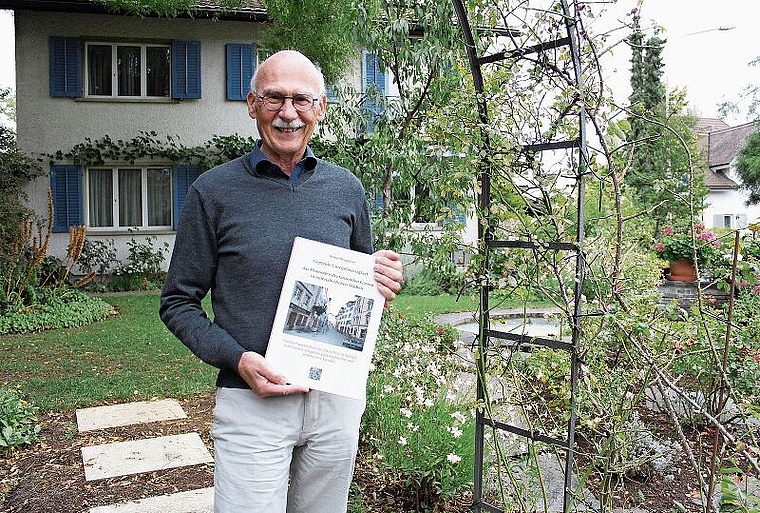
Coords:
302,102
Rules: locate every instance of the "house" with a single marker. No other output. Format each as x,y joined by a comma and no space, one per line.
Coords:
85,73
726,203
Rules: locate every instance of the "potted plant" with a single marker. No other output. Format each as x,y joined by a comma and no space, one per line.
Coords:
680,248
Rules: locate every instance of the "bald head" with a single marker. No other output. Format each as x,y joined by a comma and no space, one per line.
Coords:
288,60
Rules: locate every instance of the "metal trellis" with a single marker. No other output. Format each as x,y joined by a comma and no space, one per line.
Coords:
490,340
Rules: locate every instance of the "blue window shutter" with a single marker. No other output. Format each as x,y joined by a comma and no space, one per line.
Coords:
241,62
378,205
183,176
65,67
66,185
186,69
374,77
457,215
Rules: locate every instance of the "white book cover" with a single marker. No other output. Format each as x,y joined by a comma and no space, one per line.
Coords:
327,319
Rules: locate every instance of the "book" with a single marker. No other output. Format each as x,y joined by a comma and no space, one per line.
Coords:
327,319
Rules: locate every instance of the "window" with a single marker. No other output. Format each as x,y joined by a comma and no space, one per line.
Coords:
128,70
129,197
731,221
124,70
118,198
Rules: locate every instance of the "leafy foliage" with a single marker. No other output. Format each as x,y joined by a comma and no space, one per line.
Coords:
748,167
323,31
7,103
168,8
16,170
663,146
217,150
142,270
17,420
406,149
55,307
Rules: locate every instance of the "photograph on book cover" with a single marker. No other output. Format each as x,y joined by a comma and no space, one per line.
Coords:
331,319
327,319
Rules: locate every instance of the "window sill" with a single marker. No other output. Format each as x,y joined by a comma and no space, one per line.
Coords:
435,227
94,99
114,232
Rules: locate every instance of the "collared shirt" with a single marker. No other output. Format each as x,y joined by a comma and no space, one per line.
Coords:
264,166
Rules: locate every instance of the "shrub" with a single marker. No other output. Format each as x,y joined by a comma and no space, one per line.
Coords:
56,307
98,256
17,420
142,271
685,244
415,433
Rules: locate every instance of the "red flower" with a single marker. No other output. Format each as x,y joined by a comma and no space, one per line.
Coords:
667,230
441,331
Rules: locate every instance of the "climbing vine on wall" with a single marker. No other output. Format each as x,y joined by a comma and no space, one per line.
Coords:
149,145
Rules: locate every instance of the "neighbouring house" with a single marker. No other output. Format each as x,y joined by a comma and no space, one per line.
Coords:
726,203
84,73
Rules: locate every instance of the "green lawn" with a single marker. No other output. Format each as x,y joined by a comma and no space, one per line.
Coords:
130,356
133,356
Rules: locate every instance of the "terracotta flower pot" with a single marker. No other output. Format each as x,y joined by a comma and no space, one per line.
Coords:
682,270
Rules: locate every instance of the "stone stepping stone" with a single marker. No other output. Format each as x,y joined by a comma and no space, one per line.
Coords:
193,501
146,455
101,417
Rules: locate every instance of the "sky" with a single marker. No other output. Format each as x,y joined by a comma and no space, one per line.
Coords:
709,47
712,64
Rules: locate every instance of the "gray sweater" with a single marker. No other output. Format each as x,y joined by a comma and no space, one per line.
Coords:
234,239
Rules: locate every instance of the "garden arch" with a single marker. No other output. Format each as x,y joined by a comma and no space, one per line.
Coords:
550,56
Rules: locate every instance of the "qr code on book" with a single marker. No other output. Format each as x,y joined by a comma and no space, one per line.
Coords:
315,373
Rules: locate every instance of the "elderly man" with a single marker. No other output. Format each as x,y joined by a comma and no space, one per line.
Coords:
279,447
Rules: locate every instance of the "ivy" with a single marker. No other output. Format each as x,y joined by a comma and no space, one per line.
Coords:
149,145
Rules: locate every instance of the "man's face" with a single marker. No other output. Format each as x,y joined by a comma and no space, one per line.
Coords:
285,132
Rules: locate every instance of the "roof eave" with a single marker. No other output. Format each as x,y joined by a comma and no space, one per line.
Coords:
87,6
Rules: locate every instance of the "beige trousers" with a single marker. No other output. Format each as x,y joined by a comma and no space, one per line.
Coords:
291,454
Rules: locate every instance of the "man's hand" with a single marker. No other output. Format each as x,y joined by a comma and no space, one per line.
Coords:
388,273
263,380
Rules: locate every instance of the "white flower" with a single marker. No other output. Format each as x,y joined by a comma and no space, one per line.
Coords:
457,415
402,440
455,431
453,458
406,412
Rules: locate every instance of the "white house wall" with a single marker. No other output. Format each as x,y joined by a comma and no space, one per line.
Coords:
47,124
729,202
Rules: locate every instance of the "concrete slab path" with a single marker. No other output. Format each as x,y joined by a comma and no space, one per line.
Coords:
146,455
102,417
193,501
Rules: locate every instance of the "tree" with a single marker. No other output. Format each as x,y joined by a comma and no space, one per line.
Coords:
7,103
16,170
322,30
748,167
664,172
168,8
405,148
